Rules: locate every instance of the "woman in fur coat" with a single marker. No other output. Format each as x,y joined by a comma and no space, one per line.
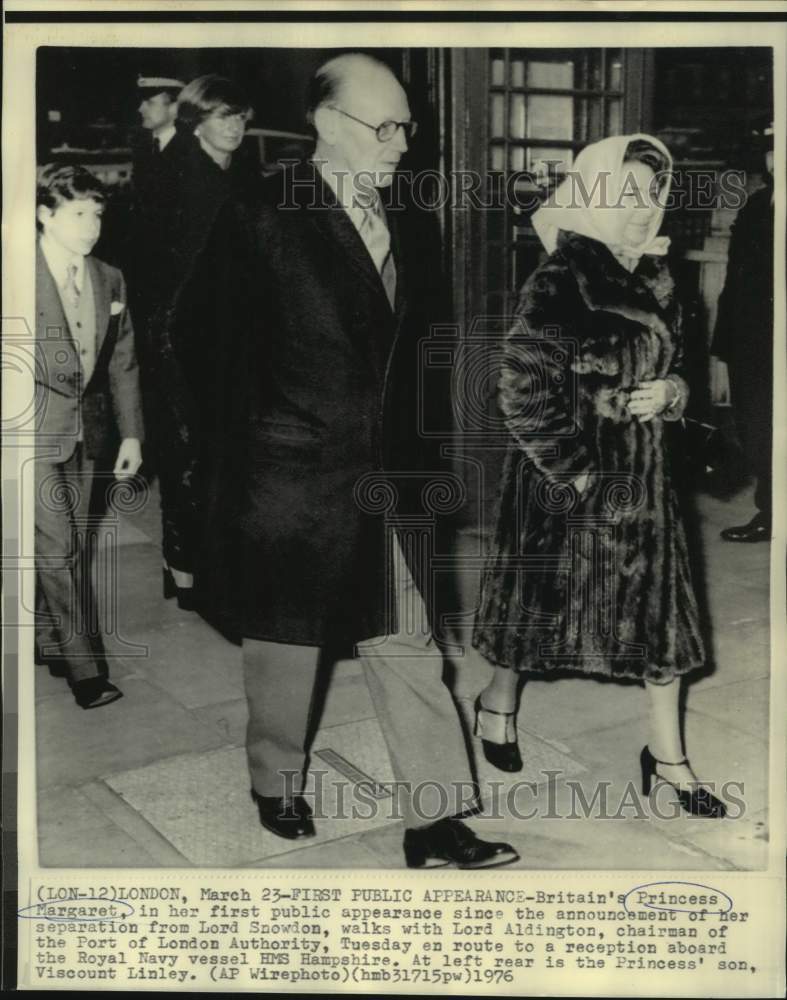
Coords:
588,569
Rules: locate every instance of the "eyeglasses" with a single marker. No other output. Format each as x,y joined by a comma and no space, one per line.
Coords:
385,131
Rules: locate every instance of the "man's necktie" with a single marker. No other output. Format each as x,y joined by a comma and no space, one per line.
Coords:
375,235
70,289
377,238
156,145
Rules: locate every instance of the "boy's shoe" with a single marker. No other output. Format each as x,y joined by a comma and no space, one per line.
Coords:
95,692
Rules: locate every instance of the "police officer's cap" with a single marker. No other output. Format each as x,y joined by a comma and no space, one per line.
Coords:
159,84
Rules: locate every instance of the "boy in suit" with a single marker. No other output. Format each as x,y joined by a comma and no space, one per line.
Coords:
87,376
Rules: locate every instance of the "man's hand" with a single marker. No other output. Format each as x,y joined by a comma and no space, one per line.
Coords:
719,382
129,458
651,398
581,482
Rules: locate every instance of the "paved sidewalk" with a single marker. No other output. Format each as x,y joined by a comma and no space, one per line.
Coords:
159,778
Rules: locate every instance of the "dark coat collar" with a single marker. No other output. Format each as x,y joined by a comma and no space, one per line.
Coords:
178,145
304,187
644,295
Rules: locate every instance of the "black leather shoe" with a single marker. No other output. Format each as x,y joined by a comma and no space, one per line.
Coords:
503,756
288,818
450,842
95,692
757,530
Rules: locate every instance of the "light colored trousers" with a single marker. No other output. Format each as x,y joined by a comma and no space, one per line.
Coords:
414,708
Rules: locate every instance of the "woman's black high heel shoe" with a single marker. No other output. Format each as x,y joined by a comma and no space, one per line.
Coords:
185,595
698,802
503,756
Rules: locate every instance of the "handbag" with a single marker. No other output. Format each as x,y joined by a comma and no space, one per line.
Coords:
709,455
703,444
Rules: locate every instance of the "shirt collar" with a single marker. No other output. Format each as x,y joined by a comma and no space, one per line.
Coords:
342,186
58,260
165,136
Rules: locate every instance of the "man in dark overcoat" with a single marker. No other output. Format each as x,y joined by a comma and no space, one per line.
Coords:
329,476
743,341
157,163
158,155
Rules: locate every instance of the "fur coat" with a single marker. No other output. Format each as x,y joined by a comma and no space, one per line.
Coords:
589,576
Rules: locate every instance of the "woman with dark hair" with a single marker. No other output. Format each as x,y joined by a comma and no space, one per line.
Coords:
214,184
588,570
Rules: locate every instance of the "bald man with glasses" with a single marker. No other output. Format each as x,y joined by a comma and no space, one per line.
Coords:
385,131
331,474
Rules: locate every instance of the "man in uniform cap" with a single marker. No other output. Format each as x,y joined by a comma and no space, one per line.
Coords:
743,340
161,144
157,165
159,108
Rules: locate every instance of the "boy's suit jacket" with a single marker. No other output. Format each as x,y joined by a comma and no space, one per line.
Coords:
110,402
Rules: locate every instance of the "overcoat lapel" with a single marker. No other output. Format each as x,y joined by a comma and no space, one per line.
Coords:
400,260
335,225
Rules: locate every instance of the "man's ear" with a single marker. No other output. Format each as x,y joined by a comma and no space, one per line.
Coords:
44,213
325,124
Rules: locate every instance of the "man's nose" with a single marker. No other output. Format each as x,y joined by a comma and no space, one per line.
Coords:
399,140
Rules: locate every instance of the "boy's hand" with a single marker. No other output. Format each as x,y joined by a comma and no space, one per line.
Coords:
129,458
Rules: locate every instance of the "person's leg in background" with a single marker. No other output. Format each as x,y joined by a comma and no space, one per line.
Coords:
753,401
762,464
